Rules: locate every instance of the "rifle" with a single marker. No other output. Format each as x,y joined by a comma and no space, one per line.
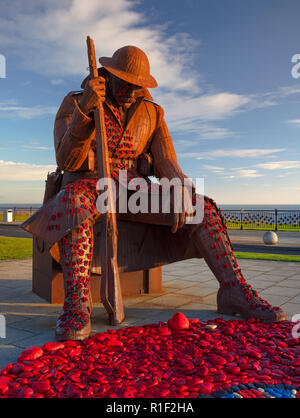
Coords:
110,291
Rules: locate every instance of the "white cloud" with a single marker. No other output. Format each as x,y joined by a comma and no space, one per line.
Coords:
36,147
15,171
243,173
29,33
279,165
214,168
195,114
289,90
231,173
275,97
199,129
14,110
57,81
239,153
297,188
295,122
286,174
205,131
208,107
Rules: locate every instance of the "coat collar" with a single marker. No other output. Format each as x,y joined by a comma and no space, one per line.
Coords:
131,111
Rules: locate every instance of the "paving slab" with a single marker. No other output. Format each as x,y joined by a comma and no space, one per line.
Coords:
281,291
292,309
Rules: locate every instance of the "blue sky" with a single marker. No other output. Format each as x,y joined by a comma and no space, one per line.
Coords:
225,83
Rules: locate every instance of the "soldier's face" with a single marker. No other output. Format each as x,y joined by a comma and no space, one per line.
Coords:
124,93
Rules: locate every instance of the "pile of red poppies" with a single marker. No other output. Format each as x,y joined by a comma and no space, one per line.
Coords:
179,359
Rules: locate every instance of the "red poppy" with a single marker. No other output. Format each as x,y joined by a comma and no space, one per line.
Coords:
225,266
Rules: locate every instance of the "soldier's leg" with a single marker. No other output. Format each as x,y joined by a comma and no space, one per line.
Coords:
235,295
76,253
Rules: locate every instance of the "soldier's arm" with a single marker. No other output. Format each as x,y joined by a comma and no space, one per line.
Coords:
73,131
162,148
166,165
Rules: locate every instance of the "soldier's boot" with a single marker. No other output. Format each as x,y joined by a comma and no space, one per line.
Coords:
76,251
235,295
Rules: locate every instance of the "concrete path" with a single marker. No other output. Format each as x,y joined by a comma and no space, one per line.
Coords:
13,229
286,238
252,241
188,287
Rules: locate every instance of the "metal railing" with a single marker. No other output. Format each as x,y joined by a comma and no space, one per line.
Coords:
276,220
19,214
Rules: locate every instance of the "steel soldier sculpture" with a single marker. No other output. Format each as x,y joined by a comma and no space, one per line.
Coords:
136,131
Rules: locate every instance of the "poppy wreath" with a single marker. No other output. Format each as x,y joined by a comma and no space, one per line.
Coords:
181,358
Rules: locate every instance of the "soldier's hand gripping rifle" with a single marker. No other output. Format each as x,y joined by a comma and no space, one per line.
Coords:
111,295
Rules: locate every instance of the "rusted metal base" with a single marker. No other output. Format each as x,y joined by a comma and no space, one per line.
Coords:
47,279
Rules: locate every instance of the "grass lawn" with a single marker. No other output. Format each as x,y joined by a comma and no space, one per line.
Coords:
11,248
264,227
273,257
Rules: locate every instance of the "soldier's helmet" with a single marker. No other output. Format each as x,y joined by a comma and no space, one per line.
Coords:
131,64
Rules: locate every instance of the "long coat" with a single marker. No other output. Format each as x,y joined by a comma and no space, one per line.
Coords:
140,245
